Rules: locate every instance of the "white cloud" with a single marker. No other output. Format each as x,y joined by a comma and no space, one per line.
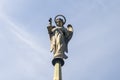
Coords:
22,35
23,63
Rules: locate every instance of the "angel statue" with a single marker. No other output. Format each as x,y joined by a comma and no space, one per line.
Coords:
59,36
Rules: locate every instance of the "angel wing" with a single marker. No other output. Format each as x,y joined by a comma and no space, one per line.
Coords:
70,32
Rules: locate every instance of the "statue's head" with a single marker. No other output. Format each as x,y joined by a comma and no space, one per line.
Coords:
59,22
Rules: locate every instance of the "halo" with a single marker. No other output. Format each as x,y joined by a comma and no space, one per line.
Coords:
64,19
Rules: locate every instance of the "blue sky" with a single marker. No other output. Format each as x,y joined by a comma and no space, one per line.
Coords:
94,52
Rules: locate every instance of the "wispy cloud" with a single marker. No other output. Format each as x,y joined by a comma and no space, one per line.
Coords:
22,34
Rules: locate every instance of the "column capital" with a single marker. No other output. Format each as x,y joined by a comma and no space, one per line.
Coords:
58,60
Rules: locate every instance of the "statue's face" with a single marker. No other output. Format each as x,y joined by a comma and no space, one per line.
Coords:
59,22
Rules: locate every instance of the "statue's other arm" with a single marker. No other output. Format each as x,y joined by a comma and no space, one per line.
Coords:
70,31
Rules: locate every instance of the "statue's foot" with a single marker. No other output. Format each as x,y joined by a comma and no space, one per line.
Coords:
60,55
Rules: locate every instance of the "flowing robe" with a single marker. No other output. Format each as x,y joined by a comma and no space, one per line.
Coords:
59,38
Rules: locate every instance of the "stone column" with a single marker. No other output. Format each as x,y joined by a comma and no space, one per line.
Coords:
58,63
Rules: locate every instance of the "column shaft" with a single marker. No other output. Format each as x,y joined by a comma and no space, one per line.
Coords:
57,71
